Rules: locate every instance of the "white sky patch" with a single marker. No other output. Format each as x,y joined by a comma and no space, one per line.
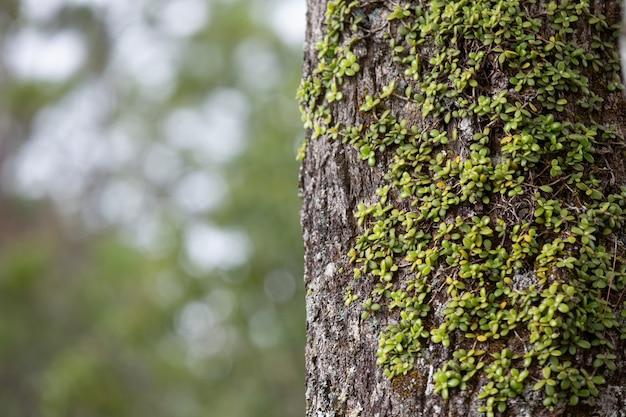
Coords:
202,327
111,4
148,58
227,113
151,234
161,165
257,64
183,18
199,192
118,11
195,320
196,324
122,147
35,55
41,10
288,19
209,248
64,151
124,202
216,132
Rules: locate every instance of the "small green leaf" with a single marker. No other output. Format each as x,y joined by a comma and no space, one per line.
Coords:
453,382
546,188
598,380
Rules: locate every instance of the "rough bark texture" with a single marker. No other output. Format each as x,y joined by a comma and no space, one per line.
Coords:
343,378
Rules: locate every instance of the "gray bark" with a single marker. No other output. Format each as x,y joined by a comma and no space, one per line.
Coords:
342,377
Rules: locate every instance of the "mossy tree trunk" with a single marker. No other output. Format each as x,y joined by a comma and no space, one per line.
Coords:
463,183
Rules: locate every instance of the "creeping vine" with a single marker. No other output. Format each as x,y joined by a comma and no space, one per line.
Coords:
497,234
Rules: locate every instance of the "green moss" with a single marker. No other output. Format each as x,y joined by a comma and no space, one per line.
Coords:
499,207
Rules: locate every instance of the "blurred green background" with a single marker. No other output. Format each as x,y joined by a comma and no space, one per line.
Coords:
150,250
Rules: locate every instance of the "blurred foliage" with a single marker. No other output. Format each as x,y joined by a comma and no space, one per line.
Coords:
98,319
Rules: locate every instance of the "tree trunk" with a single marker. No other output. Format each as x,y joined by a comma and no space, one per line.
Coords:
463,208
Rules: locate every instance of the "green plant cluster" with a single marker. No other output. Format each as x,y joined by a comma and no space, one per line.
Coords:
496,235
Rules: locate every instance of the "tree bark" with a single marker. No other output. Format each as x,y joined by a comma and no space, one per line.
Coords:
386,82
